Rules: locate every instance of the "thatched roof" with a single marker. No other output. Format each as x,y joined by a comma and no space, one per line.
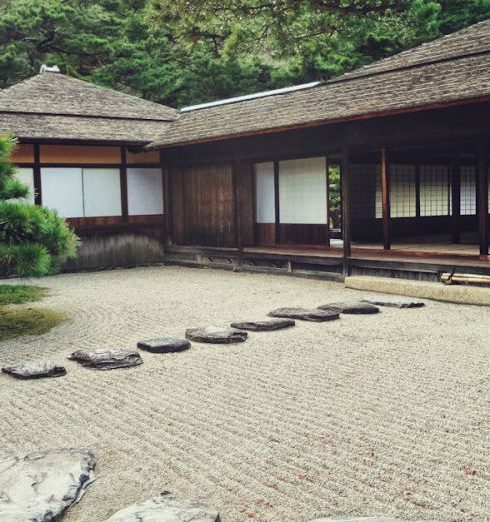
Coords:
54,106
450,70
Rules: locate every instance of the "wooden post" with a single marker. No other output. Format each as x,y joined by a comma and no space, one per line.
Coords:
327,172
456,199
123,178
38,199
417,190
385,189
236,215
277,218
482,176
345,187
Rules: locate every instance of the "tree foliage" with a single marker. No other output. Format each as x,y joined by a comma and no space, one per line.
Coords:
180,52
34,241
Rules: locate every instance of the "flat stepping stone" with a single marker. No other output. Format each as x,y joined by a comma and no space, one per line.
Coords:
166,509
107,359
352,308
216,335
315,315
393,302
264,326
164,345
42,486
35,370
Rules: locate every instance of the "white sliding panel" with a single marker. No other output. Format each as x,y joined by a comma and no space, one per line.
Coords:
62,190
102,192
26,176
265,193
303,191
435,190
145,191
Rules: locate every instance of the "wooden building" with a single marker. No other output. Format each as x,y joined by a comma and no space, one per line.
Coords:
249,182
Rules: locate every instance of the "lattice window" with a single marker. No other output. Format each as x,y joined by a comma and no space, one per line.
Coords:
362,189
468,190
435,190
403,199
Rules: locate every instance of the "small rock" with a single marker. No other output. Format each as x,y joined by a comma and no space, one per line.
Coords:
166,509
216,335
303,314
393,302
351,308
164,345
42,486
107,359
35,370
264,326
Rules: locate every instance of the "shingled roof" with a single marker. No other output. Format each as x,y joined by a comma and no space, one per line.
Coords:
54,106
452,69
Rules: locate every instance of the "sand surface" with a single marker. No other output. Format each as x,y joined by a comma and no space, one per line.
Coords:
367,415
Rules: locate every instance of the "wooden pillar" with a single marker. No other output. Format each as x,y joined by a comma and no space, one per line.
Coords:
417,190
167,203
385,191
327,172
236,215
456,199
38,199
123,178
345,188
277,214
482,176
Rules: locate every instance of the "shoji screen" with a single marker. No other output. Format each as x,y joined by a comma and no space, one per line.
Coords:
145,191
26,176
403,199
265,193
62,190
434,190
101,192
468,190
303,191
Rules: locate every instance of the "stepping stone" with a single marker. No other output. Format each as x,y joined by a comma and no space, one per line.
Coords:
352,308
315,315
216,335
166,509
393,302
107,359
264,326
164,345
42,486
35,370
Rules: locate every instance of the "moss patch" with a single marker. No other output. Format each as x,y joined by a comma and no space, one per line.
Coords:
17,322
18,294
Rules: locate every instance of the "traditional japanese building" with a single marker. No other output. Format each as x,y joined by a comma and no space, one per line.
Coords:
253,182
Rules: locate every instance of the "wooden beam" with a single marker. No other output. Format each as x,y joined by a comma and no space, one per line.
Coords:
456,199
482,176
385,192
38,198
345,189
277,219
327,175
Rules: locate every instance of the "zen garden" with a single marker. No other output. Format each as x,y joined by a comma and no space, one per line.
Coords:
244,260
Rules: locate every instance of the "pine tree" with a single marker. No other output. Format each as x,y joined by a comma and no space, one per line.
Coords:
34,241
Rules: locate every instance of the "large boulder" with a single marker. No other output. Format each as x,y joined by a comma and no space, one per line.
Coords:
264,326
304,314
107,359
164,345
40,487
216,335
393,302
352,308
35,370
166,509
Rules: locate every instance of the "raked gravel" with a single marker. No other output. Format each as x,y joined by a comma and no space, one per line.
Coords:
368,415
